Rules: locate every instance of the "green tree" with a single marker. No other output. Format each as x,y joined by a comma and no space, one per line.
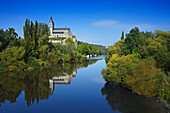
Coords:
118,68
132,41
66,58
13,58
44,52
27,30
6,37
122,37
54,56
71,44
141,63
144,78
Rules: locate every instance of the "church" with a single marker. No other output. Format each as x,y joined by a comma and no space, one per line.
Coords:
59,35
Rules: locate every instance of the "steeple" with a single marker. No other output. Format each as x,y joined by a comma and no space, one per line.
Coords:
51,26
51,20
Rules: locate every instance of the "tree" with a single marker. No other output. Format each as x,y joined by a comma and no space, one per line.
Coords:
144,78
36,37
6,37
66,58
27,30
122,37
44,52
71,43
132,41
118,68
13,57
54,56
141,63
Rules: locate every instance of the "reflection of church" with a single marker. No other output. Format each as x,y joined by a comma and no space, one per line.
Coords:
65,79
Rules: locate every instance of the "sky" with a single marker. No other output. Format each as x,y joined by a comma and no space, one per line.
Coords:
93,21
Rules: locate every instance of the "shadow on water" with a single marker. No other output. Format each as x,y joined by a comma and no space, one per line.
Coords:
123,100
37,83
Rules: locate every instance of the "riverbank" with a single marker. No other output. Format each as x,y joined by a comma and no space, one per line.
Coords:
142,66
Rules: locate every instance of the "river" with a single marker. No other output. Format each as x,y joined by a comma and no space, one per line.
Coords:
70,88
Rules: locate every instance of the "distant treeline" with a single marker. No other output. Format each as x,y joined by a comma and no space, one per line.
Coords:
35,50
91,49
141,62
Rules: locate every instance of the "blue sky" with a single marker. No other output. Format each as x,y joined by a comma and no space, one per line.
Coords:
92,21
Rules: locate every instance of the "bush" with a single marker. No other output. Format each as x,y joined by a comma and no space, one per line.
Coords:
54,56
2,66
13,58
66,58
32,62
44,52
144,78
118,68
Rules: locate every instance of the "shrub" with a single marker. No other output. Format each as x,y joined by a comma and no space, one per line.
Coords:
144,78
118,68
54,56
66,58
2,66
32,62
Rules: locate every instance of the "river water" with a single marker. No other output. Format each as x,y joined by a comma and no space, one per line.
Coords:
70,88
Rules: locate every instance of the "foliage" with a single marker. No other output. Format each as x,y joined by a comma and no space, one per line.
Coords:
141,63
6,37
54,56
44,51
118,68
13,57
66,58
71,44
35,50
122,37
58,38
32,62
115,49
144,77
2,66
91,49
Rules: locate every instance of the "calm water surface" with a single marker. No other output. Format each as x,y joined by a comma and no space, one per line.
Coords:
69,88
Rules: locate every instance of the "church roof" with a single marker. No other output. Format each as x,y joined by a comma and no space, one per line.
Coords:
51,20
61,28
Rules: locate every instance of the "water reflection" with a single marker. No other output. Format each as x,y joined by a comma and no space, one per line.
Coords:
37,84
64,79
124,101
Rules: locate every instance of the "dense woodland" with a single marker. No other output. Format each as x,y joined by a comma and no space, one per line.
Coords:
35,50
141,62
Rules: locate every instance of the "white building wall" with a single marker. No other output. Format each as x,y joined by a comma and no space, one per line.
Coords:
65,34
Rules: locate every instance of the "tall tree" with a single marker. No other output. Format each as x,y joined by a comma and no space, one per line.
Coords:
132,41
32,33
36,37
122,37
27,30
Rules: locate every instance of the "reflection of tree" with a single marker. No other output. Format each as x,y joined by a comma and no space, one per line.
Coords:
36,88
10,87
34,83
123,100
69,68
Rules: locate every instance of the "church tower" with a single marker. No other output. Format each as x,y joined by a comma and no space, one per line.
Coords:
51,26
